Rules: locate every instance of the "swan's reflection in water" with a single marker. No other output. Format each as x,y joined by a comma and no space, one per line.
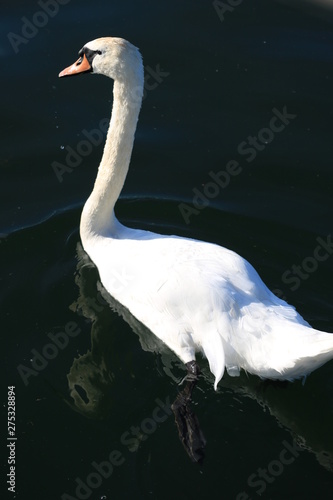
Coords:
305,411
92,375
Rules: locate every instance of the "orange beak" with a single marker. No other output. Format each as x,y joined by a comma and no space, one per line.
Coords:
82,65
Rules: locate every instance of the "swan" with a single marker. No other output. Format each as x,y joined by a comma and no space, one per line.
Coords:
193,295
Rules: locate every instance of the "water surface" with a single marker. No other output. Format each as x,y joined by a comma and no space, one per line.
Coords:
91,397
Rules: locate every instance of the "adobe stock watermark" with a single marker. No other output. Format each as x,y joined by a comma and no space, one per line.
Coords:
59,341
84,147
249,149
259,479
298,273
30,27
40,359
153,77
221,8
130,439
95,137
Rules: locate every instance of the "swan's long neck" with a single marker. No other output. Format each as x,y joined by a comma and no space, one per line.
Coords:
98,214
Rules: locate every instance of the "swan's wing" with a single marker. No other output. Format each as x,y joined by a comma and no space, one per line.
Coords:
198,296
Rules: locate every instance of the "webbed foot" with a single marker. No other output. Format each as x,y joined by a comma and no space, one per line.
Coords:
187,422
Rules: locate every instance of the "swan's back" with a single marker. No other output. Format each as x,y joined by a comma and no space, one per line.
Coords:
198,296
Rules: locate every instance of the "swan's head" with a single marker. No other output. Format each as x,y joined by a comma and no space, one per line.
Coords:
110,56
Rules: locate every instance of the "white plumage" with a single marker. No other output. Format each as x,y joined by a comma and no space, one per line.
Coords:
195,296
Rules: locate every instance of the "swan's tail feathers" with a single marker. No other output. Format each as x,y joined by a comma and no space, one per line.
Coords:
321,349
213,349
304,350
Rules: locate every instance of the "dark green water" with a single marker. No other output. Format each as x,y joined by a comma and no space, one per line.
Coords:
93,415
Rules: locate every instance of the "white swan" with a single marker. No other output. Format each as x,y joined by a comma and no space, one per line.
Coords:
195,296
